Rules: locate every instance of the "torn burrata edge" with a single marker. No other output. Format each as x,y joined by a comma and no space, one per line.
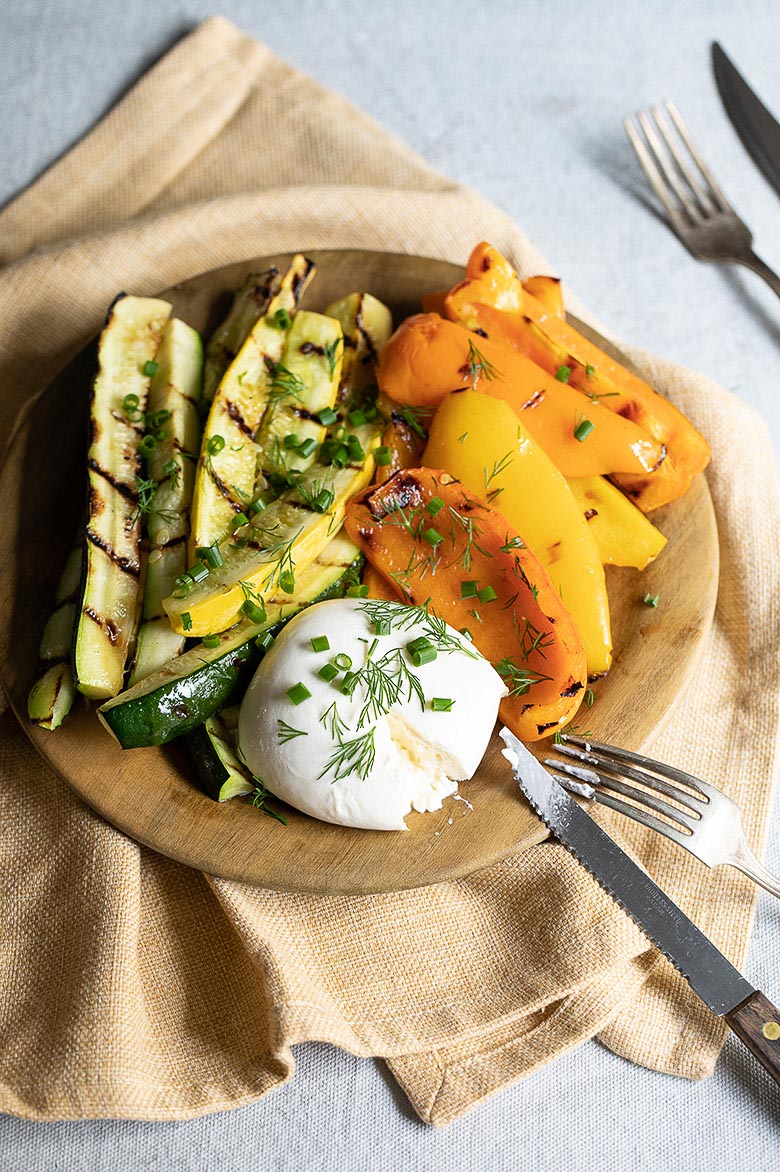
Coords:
419,755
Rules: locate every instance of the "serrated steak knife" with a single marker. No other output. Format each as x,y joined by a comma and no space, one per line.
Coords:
750,1014
758,129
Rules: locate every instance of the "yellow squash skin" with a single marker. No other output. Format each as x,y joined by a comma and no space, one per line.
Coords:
480,441
623,534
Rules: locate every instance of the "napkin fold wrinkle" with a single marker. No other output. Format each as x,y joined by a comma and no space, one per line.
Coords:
134,987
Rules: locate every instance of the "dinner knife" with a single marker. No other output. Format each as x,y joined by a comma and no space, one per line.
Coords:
751,1015
757,128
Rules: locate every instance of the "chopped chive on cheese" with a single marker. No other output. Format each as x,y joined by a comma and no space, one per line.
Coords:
327,416
357,592
651,600
382,627
434,506
211,640
583,429
349,683
421,651
382,456
151,368
342,661
282,319
563,374
253,612
298,693
320,643
441,704
328,672
433,537
469,589
186,620
487,594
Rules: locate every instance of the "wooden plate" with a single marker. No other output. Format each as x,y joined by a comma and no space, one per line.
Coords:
147,792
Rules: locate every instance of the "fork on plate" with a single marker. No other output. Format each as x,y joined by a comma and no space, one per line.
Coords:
690,812
698,211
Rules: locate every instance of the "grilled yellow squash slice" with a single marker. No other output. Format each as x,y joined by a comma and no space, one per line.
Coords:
367,324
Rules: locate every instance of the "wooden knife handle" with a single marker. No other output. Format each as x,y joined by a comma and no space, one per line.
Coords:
756,1022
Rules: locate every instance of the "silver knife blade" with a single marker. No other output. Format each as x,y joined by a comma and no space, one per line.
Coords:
757,128
710,975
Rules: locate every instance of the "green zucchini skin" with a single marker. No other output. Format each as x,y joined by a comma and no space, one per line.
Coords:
218,770
198,683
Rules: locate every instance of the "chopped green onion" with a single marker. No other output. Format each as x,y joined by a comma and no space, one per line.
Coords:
349,683
342,661
186,621
158,419
298,693
563,374
589,698
421,650
290,441
239,520
433,537
199,572
486,594
264,641
341,456
382,627
287,581
357,592
320,643
651,600
211,555
590,371
382,455
356,417
469,589
151,368
328,672
355,448
257,506
583,429
253,612
282,319
130,403
308,447
323,500
147,445
182,585
434,506
215,444
327,417
211,640
441,704
371,412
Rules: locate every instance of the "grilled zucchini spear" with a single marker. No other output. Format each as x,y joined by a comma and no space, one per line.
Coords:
112,574
250,303
174,428
225,478
54,690
367,324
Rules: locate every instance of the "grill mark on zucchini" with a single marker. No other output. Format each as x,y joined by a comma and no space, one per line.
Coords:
174,540
300,280
222,488
365,335
125,490
302,413
239,420
122,563
108,626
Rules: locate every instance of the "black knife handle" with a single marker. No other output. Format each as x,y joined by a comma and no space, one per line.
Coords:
756,1022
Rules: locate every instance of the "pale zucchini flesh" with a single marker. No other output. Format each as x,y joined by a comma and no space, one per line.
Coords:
175,389
311,361
367,324
112,581
285,538
53,692
213,748
225,477
249,304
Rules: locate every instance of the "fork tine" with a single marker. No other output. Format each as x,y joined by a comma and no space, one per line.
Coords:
612,751
667,167
637,815
654,177
706,201
627,791
691,801
685,135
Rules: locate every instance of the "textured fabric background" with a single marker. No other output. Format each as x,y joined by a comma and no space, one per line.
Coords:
675,257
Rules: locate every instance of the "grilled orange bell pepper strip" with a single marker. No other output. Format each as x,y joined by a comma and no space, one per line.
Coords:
624,535
548,291
379,587
428,357
422,530
480,441
405,437
528,326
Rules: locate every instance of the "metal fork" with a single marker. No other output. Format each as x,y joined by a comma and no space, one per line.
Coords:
698,211
698,817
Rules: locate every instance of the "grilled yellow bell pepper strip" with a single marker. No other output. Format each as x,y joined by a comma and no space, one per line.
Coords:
480,441
624,535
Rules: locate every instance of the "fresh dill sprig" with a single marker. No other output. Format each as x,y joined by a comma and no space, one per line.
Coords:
259,800
571,730
478,367
288,733
331,354
519,680
499,466
356,755
413,417
284,385
399,617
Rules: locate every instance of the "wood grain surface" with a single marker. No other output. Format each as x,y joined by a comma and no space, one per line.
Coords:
147,793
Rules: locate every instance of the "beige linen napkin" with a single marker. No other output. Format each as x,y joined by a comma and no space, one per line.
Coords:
133,987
